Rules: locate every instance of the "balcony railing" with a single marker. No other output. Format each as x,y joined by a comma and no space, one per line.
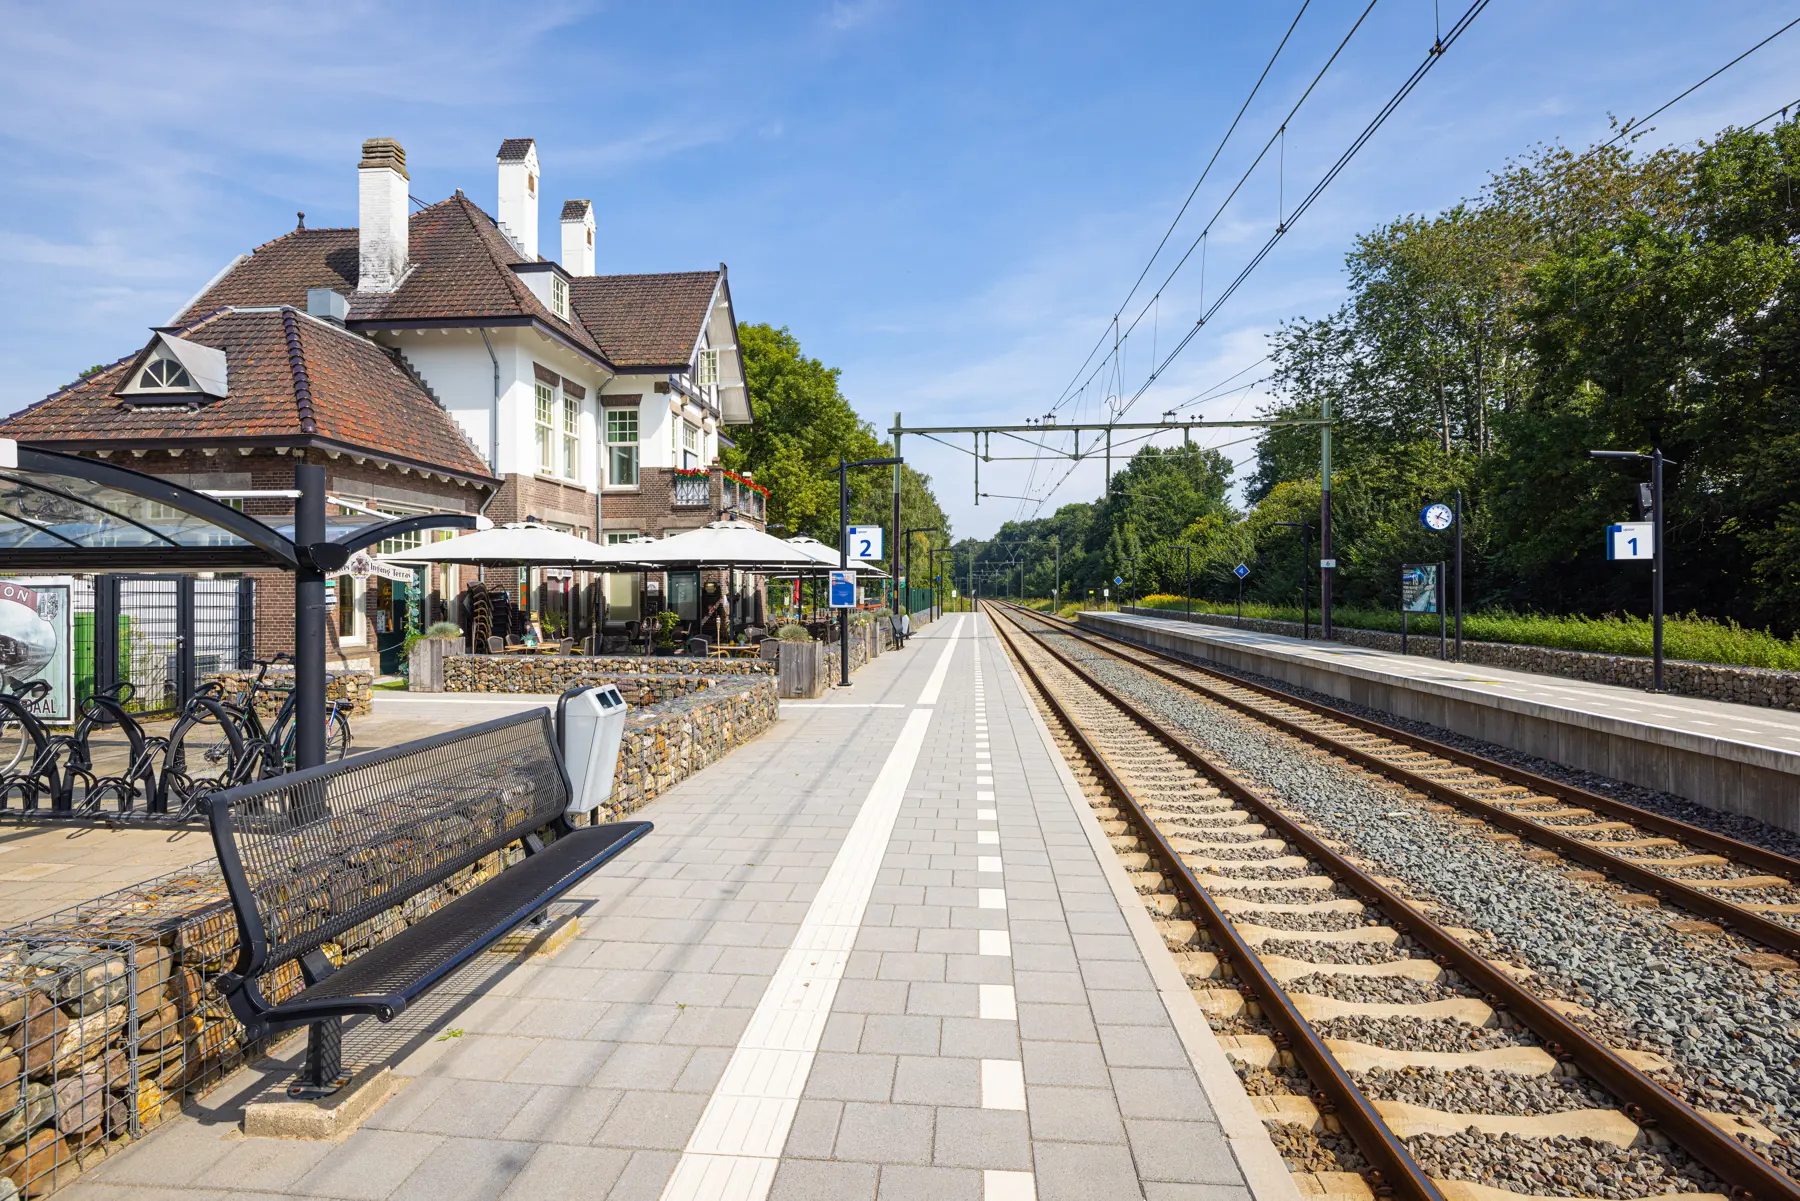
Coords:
693,492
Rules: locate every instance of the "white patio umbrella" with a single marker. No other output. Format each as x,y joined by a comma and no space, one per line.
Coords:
517,545
722,544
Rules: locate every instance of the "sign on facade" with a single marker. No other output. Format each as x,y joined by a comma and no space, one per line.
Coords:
1419,588
1631,540
37,643
864,541
843,589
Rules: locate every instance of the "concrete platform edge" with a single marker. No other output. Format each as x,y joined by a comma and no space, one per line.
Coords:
1263,1169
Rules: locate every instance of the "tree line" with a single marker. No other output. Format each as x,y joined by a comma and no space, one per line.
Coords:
1613,298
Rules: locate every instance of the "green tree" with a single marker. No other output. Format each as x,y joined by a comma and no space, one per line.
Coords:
803,425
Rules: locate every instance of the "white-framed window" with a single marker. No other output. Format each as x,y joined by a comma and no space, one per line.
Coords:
706,370
559,296
571,437
162,374
546,429
690,445
622,448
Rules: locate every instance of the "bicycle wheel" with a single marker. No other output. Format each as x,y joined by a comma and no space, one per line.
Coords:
337,735
15,744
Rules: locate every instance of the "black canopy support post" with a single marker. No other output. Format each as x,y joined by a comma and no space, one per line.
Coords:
309,619
185,681
246,623
106,631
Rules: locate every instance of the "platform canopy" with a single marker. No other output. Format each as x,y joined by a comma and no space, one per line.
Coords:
65,513
722,544
521,544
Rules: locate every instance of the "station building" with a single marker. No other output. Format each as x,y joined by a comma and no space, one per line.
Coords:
433,358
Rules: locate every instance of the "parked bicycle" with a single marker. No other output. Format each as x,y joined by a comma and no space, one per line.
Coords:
229,736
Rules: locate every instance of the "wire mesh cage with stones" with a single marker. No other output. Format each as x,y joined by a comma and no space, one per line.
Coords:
70,1087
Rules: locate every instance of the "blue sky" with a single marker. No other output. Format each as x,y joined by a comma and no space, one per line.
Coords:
947,201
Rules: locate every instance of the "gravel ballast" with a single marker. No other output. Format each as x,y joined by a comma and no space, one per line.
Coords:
1733,1030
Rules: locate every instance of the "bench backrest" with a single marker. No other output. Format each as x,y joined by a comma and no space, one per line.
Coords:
309,855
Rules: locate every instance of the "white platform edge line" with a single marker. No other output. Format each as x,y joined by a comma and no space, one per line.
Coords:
848,884
1262,1167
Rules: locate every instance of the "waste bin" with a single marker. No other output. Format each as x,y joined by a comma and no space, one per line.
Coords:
589,722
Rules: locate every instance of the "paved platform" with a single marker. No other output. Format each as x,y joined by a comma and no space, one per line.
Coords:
1738,758
882,952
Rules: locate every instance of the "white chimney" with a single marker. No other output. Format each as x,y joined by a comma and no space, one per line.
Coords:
578,237
381,212
519,193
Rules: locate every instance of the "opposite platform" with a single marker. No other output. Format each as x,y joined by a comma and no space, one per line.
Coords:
1736,758
881,952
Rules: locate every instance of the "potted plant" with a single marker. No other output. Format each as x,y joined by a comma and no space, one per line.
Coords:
425,655
666,621
799,662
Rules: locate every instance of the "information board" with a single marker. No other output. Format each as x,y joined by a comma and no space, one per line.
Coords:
1419,587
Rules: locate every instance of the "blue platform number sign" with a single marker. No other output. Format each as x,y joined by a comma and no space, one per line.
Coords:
1119,579
1630,540
865,542
1240,571
843,590
1437,517
1419,588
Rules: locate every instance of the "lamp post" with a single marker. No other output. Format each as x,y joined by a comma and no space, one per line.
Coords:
1305,528
844,555
1187,587
1656,549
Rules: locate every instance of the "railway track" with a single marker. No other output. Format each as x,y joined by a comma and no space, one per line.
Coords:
1457,1074
1748,889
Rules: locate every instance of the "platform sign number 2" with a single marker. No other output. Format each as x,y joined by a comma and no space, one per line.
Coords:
1630,540
865,542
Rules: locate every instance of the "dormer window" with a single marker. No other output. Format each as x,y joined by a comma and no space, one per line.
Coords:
176,371
559,296
165,375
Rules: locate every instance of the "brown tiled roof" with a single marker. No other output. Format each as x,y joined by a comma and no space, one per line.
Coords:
646,320
575,210
291,378
461,271
514,150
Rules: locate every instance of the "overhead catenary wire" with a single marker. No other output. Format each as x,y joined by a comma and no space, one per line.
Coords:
1192,192
1635,123
1306,202
1200,239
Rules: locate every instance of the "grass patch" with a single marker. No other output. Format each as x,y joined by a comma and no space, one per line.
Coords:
1695,638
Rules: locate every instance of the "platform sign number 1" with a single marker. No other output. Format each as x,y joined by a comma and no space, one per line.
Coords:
1630,540
865,542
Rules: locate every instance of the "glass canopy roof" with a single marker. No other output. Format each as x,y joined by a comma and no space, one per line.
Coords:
65,513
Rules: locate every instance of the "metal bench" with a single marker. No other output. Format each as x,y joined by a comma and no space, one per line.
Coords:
310,856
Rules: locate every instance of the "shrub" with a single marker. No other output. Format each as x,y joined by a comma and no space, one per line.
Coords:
443,629
666,621
793,633
1692,637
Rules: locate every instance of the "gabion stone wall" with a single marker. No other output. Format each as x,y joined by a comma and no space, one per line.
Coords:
552,674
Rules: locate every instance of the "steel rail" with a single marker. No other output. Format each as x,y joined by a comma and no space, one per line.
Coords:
1396,1172
1745,921
1646,1102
